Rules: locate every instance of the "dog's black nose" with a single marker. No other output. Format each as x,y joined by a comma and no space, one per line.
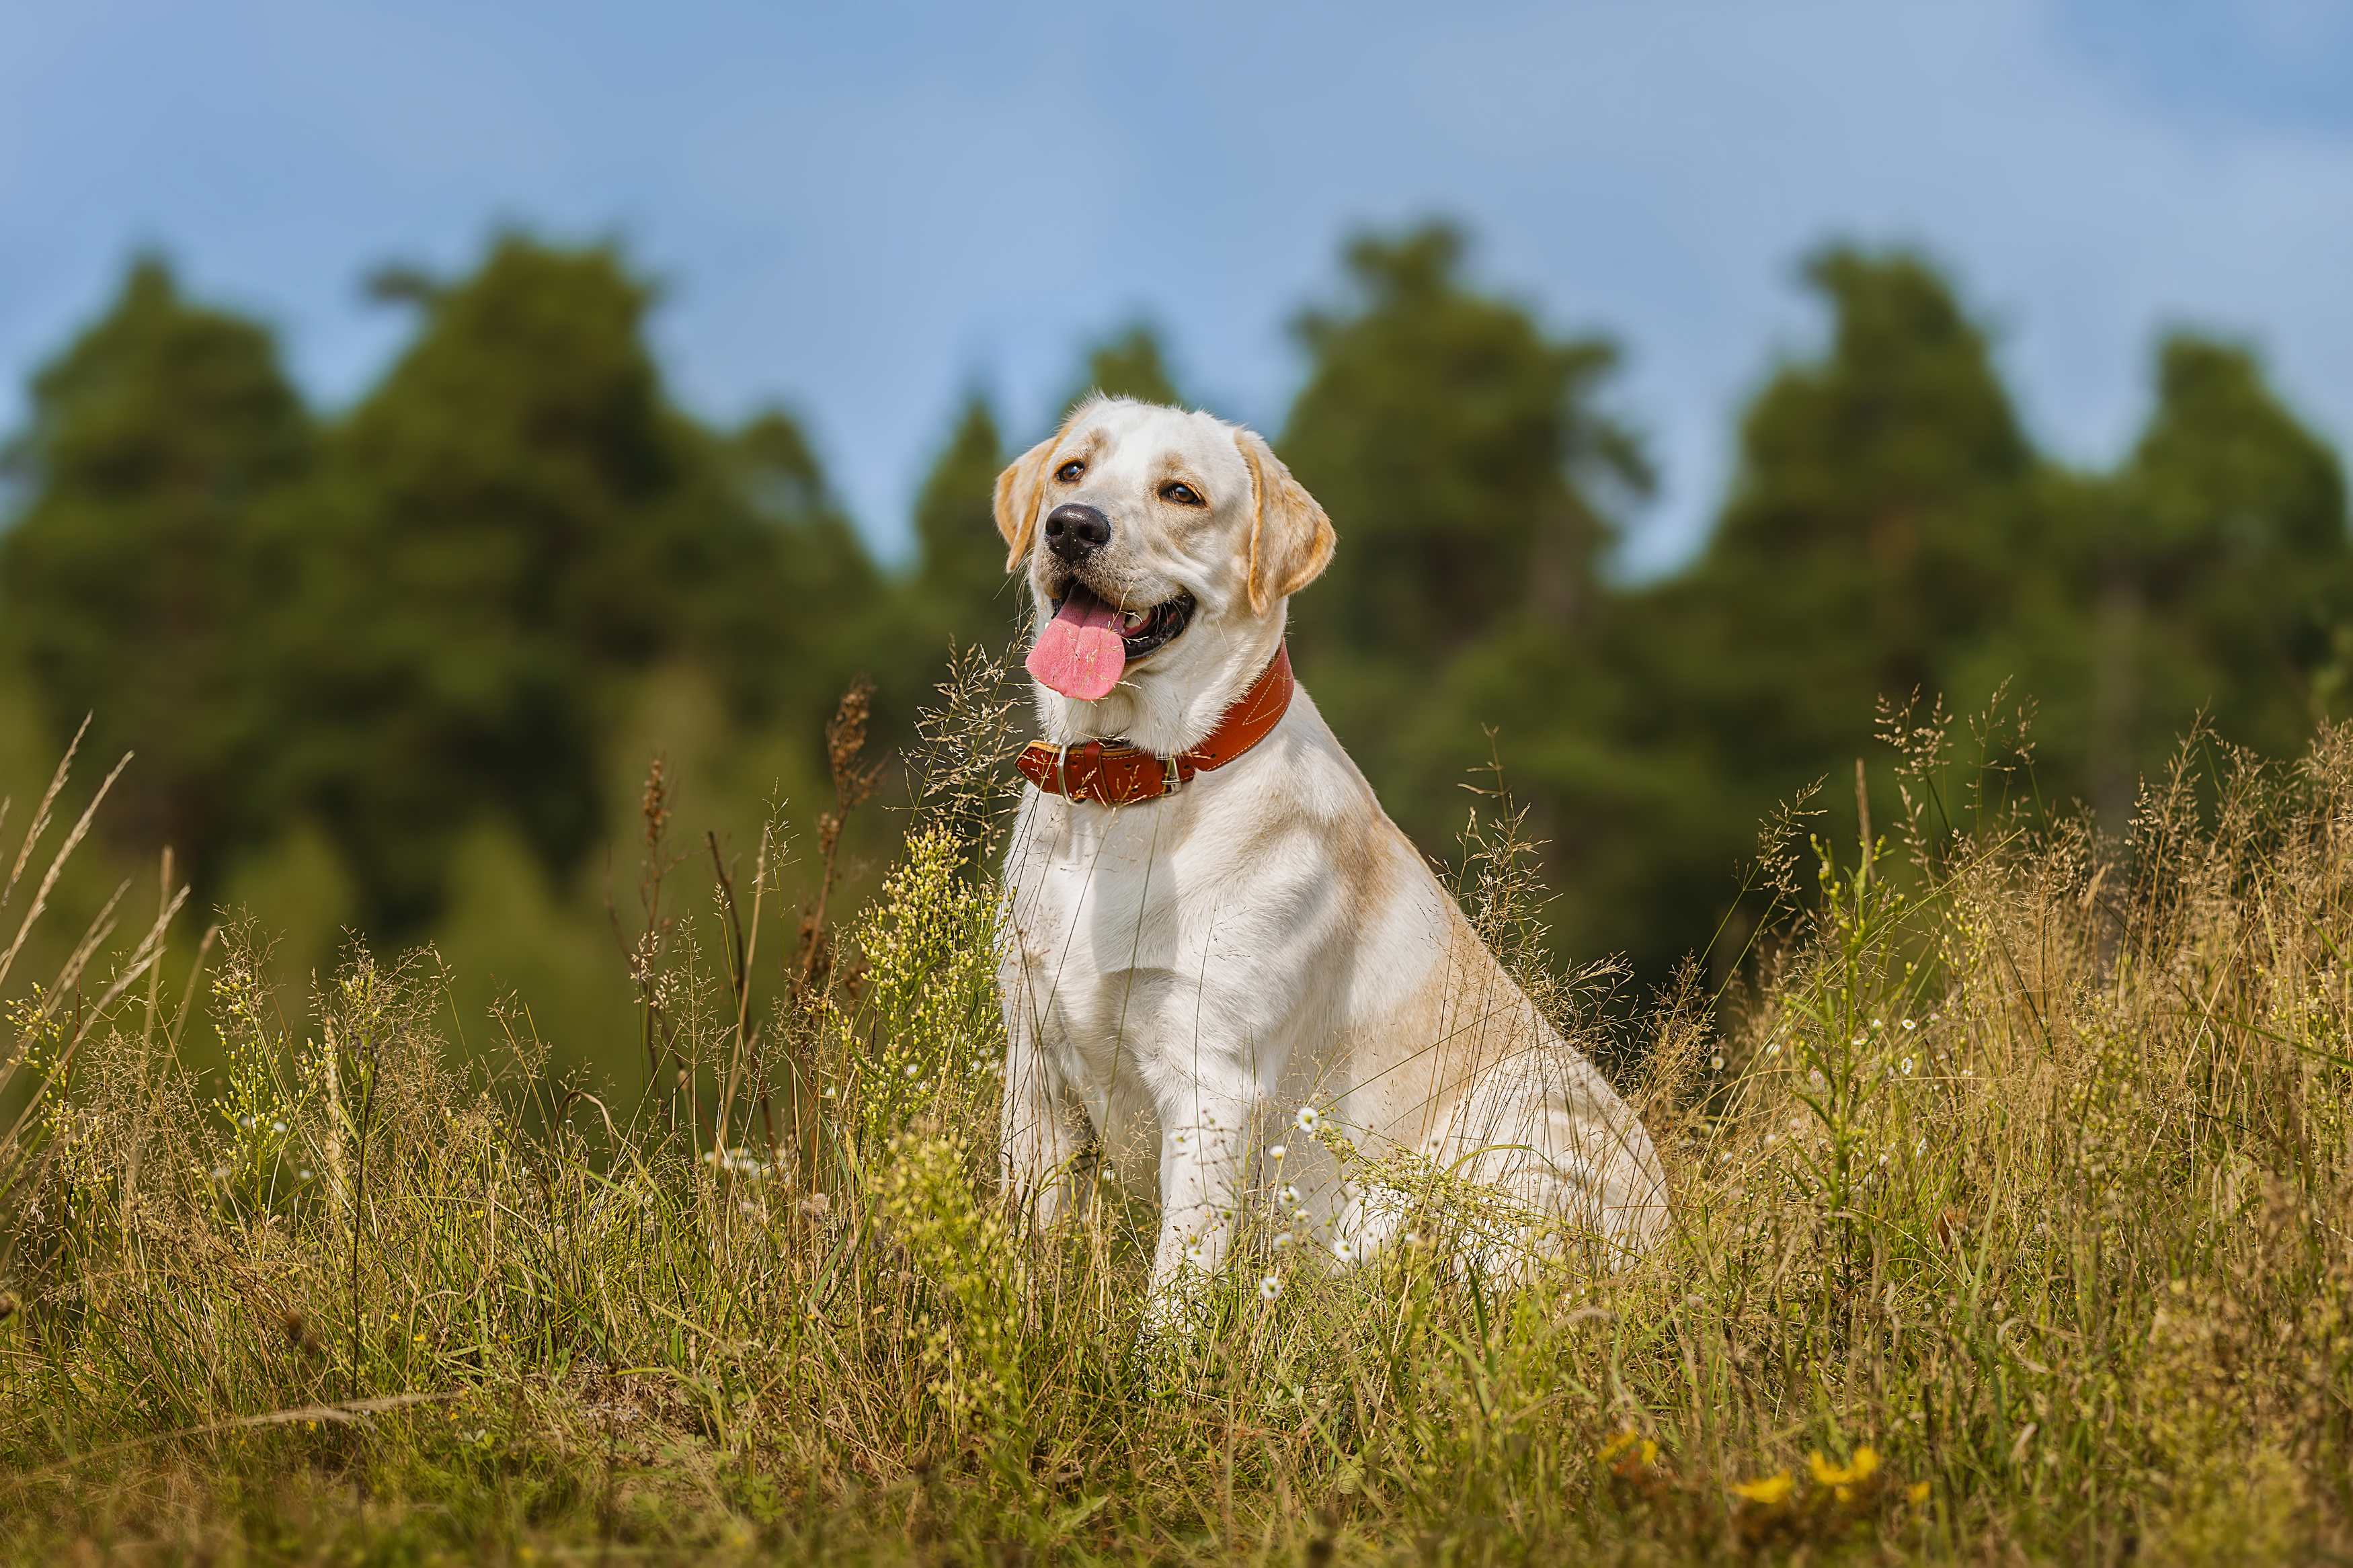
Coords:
1075,532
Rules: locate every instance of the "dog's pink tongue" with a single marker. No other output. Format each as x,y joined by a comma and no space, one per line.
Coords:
1078,652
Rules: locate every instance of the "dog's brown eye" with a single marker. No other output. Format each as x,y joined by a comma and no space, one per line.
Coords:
1182,494
1068,472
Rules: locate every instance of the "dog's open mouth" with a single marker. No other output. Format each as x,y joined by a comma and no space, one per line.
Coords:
1144,632
1082,651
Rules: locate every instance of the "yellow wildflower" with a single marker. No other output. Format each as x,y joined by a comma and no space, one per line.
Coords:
1917,1491
1772,1491
1857,1470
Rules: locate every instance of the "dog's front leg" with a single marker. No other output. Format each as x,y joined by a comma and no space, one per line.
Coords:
1200,1169
1041,1133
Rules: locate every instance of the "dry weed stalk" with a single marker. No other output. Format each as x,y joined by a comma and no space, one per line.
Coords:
854,781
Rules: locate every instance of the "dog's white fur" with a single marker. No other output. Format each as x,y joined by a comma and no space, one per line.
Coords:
1180,975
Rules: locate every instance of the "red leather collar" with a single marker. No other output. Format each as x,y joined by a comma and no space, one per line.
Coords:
1116,773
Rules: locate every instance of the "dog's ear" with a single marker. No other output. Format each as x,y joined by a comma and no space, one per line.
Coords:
1291,539
1016,498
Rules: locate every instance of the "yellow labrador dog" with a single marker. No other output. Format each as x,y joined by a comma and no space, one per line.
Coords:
1215,934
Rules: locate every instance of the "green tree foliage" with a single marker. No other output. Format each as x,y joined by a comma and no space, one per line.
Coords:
1128,363
1891,531
2221,572
783,602
432,610
1462,451
1467,461
516,517
499,531
962,591
425,615
1881,536
1882,491
130,580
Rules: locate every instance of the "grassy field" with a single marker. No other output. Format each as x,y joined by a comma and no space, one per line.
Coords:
2012,1189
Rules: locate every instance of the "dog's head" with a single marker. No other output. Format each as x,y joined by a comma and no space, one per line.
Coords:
1161,547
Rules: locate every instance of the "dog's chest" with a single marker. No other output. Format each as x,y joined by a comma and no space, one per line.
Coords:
1156,927
1097,892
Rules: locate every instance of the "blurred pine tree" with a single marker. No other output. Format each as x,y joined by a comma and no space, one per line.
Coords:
484,547
1473,471
783,602
1880,514
962,591
1460,451
2223,572
513,517
1887,530
130,580
1128,363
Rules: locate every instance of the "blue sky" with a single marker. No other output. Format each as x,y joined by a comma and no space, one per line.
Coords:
862,212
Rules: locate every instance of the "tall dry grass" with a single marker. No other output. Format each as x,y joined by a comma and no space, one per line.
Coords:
2010,1187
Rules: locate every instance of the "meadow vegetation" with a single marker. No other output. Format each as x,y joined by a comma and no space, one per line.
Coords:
488,1146
394,666
2009,1170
